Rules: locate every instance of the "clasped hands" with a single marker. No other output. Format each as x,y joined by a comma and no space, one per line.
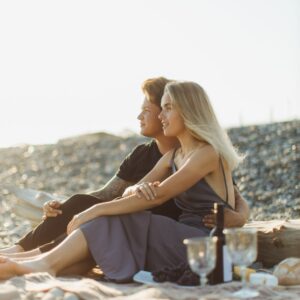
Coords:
143,189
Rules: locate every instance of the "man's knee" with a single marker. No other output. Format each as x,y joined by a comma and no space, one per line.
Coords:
78,202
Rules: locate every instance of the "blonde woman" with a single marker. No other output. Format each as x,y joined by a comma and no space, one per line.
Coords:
120,235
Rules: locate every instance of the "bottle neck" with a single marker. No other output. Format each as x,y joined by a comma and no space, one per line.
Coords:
219,211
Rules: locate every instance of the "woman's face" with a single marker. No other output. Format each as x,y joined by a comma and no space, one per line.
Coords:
171,120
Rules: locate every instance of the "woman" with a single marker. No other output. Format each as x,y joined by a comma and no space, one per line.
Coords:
120,235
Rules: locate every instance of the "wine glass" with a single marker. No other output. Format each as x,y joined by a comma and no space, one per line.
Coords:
201,253
242,248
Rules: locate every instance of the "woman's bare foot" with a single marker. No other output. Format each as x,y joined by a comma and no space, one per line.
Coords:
9,268
11,250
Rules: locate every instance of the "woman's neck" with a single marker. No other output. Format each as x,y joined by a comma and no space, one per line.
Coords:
188,143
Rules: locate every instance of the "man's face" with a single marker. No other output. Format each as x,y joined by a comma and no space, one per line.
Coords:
149,122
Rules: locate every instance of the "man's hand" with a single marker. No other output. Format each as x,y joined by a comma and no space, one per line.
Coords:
231,219
51,209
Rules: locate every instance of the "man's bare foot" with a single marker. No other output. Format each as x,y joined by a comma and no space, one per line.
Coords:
9,268
12,249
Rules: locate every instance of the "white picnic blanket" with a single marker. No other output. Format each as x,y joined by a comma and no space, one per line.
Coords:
46,287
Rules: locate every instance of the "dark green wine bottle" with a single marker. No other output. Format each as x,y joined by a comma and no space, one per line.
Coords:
223,270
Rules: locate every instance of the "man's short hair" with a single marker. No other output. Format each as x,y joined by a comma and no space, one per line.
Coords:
153,88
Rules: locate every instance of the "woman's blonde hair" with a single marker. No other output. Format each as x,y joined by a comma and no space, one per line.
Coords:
199,118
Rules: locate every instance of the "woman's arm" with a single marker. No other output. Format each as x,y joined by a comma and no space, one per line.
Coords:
202,162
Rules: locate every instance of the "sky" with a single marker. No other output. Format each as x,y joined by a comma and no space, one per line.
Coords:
76,67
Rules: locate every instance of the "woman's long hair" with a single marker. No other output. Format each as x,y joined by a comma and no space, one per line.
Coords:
199,118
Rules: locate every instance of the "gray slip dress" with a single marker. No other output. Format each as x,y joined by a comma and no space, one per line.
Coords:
125,244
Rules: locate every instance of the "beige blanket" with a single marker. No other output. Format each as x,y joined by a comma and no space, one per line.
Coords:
46,287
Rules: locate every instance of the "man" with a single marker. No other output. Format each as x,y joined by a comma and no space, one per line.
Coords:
135,166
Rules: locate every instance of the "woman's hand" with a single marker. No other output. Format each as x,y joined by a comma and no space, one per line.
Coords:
51,209
231,219
147,190
130,190
78,220
144,189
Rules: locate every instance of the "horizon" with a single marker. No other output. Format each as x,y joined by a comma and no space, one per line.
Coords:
129,133
74,67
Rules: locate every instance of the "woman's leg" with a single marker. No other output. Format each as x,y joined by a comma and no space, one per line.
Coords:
22,254
71,251
12,249
79,268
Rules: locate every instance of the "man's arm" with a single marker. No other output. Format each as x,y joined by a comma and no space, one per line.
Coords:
232,218
113,189
239,216
241,206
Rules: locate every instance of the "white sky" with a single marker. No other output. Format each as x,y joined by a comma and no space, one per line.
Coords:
72,67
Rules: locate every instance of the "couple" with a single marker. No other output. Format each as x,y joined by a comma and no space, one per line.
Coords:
121,236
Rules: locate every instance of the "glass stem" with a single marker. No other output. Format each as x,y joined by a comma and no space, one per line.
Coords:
203,280
243,275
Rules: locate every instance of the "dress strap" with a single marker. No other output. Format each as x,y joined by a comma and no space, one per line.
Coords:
226,188
172,162
173,155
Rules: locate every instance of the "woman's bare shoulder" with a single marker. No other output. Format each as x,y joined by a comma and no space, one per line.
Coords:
204,155
206,150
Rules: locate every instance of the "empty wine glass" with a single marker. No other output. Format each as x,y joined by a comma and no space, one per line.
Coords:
242,247
201,253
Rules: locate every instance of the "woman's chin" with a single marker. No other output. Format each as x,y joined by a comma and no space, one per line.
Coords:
168,133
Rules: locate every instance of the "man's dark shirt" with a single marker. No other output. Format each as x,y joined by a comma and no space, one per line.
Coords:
140,162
